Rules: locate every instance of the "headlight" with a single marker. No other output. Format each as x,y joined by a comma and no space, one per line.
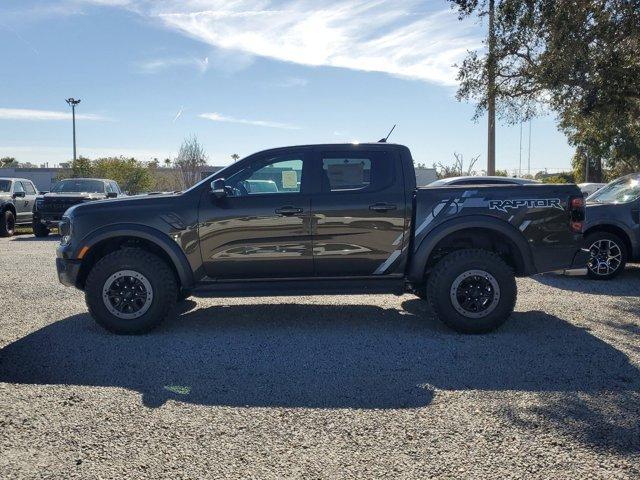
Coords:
39,203
64,227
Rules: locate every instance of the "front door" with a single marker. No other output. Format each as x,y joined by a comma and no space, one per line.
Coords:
262,228
359,216
21,202
29,199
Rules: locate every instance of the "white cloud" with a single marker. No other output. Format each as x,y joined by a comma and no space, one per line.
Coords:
406,38
393,36
216,117
159,64
44,115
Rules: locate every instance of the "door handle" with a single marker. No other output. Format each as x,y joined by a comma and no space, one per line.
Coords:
382,207
288,210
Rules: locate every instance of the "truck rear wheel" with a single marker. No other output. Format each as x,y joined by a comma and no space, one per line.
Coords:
472,291
130,291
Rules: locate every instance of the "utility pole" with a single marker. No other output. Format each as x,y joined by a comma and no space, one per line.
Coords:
520,155
529,159
491,93
586,169
73,102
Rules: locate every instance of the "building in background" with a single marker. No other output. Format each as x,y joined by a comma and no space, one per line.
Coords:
43,178
424,176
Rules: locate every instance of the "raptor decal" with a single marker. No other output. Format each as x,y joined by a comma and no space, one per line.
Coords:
503,205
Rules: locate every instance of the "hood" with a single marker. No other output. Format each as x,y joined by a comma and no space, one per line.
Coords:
4,196
73,195
121,204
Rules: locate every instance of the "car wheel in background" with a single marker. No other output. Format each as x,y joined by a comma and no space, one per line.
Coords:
472,290
131,291
39,230
608,255
7,224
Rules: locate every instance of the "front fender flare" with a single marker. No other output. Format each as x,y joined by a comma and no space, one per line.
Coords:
424,249
160,239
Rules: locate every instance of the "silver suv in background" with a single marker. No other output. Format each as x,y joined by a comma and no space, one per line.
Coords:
17,199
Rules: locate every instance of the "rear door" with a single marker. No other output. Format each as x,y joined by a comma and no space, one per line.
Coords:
262,228
359,214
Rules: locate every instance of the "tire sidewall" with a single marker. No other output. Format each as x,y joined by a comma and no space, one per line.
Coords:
5,231
151,269
439,293
594,237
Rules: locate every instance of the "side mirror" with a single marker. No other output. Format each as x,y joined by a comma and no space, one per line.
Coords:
219,188
112,194
19,195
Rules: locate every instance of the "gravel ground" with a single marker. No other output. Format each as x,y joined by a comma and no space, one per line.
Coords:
318,387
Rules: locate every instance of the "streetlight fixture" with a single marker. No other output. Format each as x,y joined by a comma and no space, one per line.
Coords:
73,102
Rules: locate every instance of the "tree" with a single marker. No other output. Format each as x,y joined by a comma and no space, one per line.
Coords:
458,168
579,59
235,157
191,159
81,167
8,162
132,175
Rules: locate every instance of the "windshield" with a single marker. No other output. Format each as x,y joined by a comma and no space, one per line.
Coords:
75,186
623,190
5,186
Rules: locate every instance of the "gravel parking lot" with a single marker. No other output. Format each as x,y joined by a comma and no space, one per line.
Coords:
318,387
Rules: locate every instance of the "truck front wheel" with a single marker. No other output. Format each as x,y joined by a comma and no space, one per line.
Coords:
130,291
40,230
472,290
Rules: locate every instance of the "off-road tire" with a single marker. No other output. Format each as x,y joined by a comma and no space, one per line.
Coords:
443,276
183,294
157,272
40,230
596,236
7,224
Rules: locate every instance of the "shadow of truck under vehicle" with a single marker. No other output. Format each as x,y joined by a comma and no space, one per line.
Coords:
626,284
318,356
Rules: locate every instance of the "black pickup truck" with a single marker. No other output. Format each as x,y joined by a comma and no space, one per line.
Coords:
336,219
51,206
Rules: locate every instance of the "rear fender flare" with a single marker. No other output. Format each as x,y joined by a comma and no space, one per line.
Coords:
430,240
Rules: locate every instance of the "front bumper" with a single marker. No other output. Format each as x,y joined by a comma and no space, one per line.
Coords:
68,268
49,220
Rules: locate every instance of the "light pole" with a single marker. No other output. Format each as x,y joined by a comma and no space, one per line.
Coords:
73,102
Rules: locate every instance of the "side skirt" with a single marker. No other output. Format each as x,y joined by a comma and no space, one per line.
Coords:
301,286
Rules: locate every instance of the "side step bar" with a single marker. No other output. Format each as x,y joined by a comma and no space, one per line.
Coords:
300,287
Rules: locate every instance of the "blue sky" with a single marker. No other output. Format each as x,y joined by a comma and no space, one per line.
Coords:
243,75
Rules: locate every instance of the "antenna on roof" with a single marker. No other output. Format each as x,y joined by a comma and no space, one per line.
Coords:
384,140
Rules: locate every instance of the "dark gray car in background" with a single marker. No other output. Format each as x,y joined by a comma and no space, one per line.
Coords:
65,194
612,230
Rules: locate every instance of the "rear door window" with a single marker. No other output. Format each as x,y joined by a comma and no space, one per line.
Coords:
359,171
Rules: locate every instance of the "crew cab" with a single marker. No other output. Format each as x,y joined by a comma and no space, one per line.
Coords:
51,206
342,219
612,231
17,196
